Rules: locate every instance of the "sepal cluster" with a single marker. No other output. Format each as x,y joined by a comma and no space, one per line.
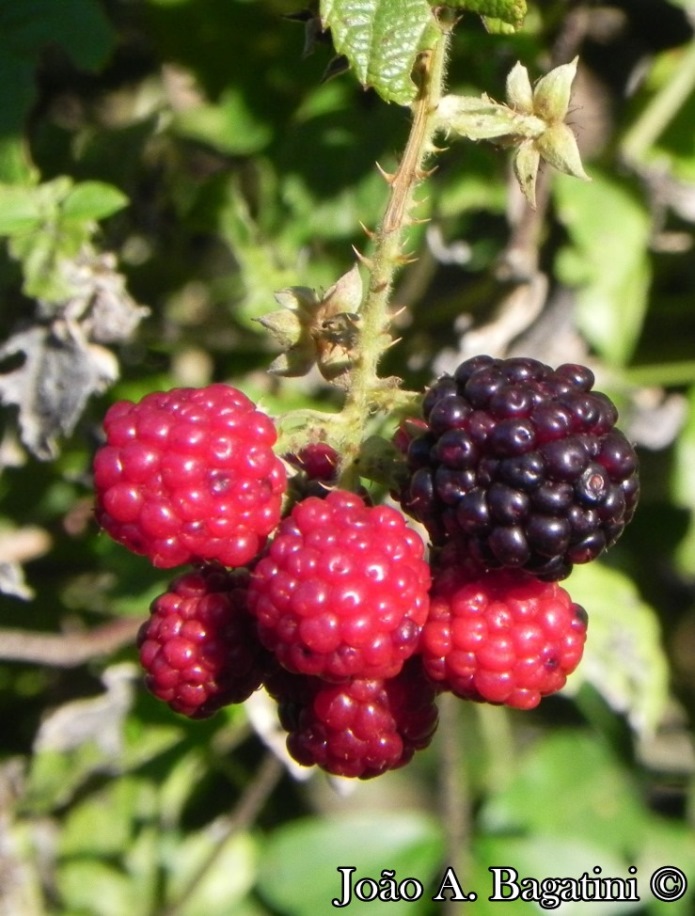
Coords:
313,329
532,121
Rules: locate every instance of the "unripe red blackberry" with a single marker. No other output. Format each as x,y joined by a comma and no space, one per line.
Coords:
504,637
360,728
521,466
189,475
199,648
318,460
342,590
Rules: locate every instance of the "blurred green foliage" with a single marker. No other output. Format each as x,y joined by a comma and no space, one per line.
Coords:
198,141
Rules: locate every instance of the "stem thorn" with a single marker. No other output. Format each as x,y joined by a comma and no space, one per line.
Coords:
389,177
363,259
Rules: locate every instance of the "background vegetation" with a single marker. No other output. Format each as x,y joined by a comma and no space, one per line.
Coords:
165,167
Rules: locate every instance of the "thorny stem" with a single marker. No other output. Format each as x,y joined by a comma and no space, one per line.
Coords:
387,255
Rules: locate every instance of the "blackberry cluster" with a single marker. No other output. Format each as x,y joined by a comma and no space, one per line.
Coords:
329,602
521,466
335,604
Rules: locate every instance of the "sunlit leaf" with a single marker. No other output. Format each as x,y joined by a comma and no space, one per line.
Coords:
518,859
607,261
584,788
225,884
93,200
299,867
624,658
381,39
683,484
228,126
511,12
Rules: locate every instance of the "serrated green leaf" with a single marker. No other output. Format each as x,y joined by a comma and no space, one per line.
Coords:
512,12
381,39
623,659
93,200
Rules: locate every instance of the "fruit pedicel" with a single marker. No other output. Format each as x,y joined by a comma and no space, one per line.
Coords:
337,607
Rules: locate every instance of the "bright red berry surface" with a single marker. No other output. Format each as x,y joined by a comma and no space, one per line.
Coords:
360,728
504,637
189,475
199,648
343,589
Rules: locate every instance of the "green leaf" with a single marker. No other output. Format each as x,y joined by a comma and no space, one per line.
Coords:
607,261
512,12
381,39
54,777
623,659
540,857
102,824
89,887
15,167
587,796
93,200
221,888
684,470
50,223
299,872
683,484
229,126
20,209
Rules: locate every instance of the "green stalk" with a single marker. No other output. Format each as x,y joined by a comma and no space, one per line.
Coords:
387,255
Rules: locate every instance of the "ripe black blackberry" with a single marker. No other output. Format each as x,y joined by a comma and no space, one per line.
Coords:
520,465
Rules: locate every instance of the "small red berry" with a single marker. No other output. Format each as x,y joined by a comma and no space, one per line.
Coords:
342,591
199,648
189,475
503,637
360,728
318,460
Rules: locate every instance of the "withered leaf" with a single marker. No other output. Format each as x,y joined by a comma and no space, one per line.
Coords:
59,371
